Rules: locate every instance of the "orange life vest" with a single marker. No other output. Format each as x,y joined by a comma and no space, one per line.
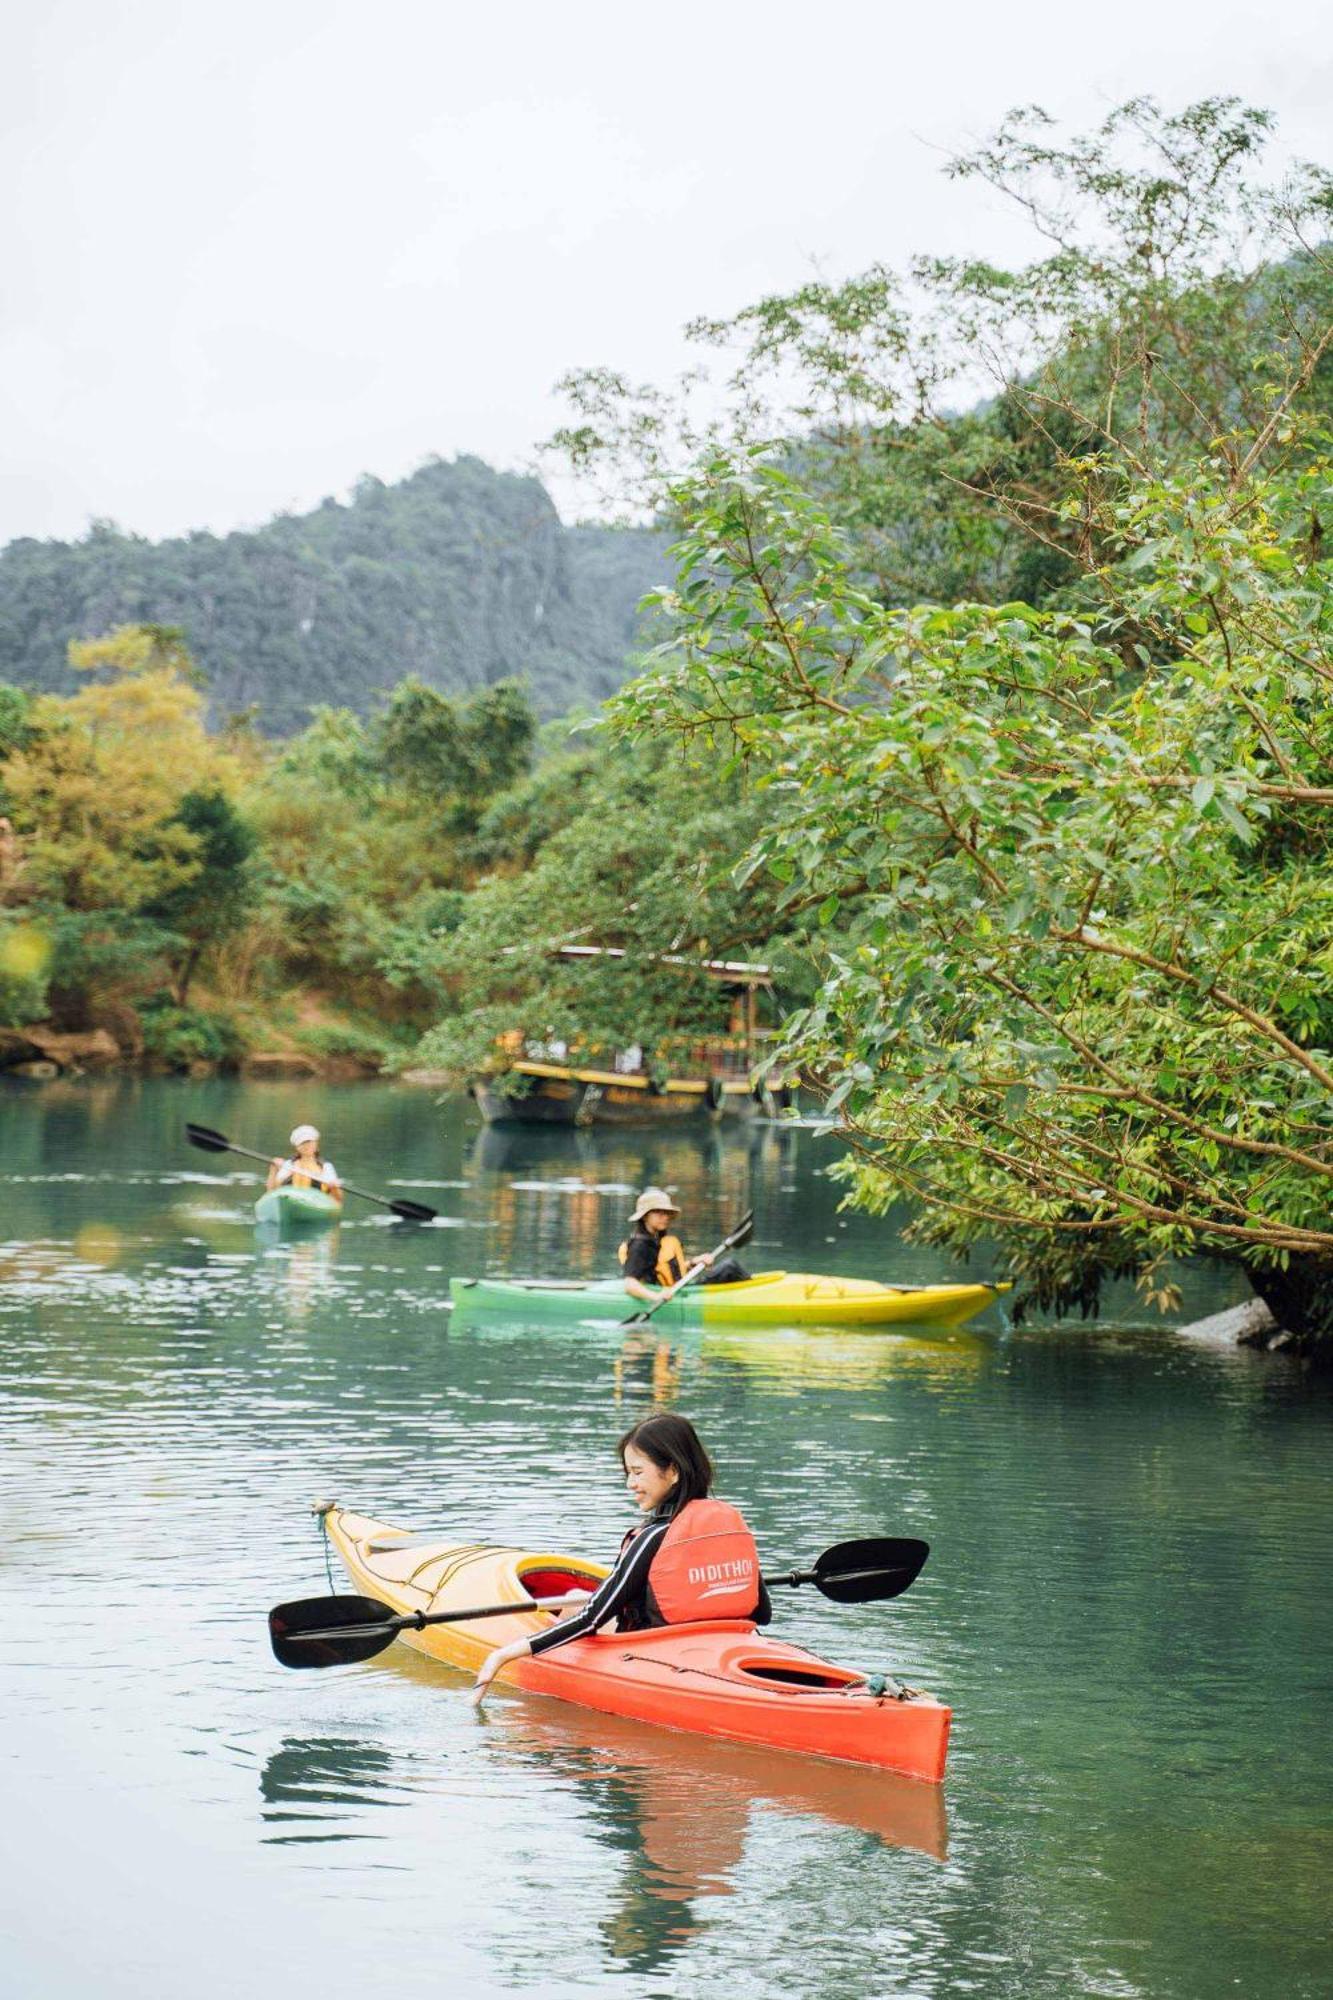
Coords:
671,1266
706,1567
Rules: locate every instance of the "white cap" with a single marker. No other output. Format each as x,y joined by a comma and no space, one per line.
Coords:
304,1132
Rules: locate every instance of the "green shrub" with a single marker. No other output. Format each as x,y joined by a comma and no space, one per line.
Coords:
179,1036
345,1038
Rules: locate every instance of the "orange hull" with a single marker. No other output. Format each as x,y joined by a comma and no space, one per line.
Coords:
722,1679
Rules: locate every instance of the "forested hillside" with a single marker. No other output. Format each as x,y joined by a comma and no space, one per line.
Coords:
459,575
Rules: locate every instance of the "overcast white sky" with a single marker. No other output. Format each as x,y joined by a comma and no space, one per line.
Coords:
250,251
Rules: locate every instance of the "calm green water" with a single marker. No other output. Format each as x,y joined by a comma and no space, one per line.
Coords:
1127,1601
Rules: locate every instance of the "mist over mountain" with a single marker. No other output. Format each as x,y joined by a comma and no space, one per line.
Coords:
459,574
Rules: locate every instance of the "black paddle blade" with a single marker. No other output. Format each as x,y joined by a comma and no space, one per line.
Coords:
211,1141
331,1631
413,1211
866,1571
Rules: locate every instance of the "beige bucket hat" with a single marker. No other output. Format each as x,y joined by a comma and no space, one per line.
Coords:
650,1199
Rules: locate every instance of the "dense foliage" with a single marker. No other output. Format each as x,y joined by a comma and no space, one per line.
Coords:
1069,843
148,857
460,575
627,848
1078,985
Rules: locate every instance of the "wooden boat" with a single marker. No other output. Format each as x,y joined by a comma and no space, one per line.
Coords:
560,1094
708,1078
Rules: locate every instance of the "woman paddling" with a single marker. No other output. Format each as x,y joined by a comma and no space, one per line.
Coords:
654,1260
693,1558
304,1168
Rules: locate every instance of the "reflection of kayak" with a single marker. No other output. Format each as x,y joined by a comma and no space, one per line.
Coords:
297,1208
681,1789
792,1356
773,1298
721,1678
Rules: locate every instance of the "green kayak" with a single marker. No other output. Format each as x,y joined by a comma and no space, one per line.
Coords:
297,1208
773,1298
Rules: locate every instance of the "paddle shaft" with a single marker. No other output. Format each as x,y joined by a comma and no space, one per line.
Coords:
416,1621
412,1211
732,1241
412,1621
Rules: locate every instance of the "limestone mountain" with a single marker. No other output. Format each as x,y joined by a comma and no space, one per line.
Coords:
458,574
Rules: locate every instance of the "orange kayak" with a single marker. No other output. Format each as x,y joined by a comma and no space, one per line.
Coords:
720,1678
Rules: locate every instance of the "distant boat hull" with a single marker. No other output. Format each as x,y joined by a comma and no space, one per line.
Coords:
557,1094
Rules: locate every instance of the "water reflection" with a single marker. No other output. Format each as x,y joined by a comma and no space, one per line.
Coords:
798,1357
559,1201
680,1812
315,1789
306,1264
647,1369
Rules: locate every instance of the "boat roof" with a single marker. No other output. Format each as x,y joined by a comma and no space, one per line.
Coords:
731,971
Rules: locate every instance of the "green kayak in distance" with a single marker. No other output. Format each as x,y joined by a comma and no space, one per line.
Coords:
297,1208
772,1298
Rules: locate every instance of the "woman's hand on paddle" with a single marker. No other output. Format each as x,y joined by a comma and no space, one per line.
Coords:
570,1608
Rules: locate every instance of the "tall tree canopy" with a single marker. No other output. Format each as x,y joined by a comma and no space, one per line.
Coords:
1069,842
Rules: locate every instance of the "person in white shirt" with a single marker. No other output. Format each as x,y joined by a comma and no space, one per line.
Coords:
304,1168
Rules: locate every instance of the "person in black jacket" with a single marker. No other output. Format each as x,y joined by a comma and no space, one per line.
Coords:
653,1258
666,1469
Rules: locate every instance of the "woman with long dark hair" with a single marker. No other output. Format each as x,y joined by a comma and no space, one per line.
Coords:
692,1558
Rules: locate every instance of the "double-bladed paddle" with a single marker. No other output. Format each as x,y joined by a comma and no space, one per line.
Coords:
742,1233
335,1631
216,1142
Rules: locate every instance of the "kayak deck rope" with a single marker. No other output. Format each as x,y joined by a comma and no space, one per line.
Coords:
321,1514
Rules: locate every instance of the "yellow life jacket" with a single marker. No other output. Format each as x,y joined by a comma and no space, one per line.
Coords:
671,1265
303,1177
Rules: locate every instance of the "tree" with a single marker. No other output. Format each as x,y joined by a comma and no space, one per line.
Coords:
94,792
1070,852
642,865
1178,296
455,755
215,900
1078,990
16,730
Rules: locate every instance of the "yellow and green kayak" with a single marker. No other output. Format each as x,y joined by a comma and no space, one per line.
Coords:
772,1298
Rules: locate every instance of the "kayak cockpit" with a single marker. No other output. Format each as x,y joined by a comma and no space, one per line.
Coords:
824,1678
542,1580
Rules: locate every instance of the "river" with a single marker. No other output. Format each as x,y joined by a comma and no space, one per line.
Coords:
1126,1603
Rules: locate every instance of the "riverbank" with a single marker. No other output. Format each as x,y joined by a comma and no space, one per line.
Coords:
299,1035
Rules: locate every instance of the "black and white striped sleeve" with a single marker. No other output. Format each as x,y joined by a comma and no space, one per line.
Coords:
627,1581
